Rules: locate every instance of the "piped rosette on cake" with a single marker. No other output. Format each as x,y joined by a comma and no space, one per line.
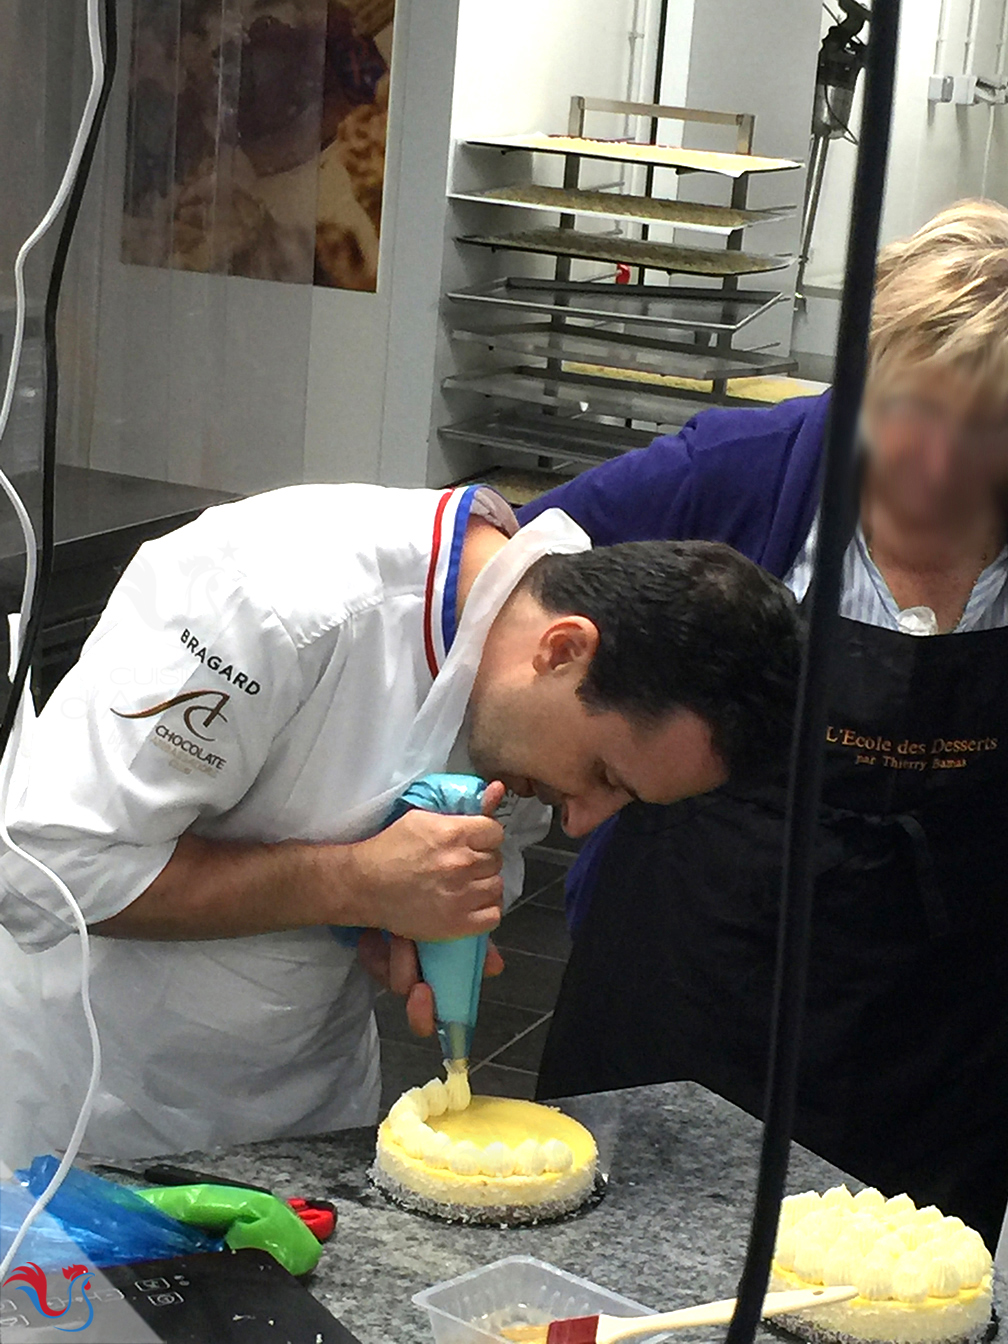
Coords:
922,1278
482,1159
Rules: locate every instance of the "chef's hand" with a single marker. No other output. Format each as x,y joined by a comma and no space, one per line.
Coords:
430,877
395,966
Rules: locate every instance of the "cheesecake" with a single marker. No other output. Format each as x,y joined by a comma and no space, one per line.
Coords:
478,1159
922,1278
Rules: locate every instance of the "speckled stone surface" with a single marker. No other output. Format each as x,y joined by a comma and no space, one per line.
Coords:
671,1229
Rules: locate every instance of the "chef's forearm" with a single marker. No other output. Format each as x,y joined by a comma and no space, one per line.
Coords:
235,889
425,876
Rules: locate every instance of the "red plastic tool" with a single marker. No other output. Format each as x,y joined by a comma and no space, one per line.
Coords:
318,1215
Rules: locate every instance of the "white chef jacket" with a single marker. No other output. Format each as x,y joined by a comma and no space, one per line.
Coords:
280,668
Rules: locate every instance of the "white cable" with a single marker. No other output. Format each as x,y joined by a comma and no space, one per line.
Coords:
988,145
17,638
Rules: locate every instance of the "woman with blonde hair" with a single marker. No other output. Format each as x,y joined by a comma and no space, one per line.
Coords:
904,1077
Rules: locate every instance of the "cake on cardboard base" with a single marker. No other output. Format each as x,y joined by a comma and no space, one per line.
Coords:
922,1278
483,1159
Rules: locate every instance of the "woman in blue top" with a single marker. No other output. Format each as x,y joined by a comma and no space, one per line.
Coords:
904,1077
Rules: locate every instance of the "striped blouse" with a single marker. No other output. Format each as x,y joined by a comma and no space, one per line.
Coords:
865,595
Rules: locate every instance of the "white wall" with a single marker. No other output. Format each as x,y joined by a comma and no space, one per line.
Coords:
517,65
759,57
938,151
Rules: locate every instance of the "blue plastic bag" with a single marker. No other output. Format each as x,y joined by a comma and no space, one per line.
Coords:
452,795
46,1243
107,1223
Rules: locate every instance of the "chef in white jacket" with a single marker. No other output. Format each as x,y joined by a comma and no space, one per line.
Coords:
211,780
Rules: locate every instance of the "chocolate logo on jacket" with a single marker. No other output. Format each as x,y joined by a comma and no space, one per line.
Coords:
202,709
209,712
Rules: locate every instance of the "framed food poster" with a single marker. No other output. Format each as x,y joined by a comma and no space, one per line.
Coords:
256,138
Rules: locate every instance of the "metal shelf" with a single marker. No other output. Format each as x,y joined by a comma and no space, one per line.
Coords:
561,438
654,156
651,306
715,219
644,252
590,369
615,349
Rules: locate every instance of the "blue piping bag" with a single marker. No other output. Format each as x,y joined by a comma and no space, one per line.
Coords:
453,968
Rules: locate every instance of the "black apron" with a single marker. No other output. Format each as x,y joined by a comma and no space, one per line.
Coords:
904,1072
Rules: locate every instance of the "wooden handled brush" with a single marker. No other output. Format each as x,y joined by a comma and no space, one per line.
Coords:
609,1329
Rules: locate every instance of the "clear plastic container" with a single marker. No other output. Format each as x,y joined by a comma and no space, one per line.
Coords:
518,1290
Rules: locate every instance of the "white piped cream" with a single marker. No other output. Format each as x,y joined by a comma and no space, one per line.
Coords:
842,1262
837,1197
910,1278
944,1278
929,1214
899,1204
405,1123
795,1207
436,1147
875,1279
558,1155
436,1095
863,1230
971,1257
464,1158
868,1199
457,1089
822,1225
892,1244
529,1158
498,1160
404,1106
787,1244
417,1100
810,1259
412,1141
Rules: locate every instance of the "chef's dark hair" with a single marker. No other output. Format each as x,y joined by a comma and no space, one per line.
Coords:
685,624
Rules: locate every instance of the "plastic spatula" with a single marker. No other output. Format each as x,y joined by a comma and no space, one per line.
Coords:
609,1329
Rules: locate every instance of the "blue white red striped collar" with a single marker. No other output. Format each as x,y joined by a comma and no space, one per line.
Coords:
441,591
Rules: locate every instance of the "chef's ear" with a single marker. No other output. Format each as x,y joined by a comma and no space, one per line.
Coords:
568,644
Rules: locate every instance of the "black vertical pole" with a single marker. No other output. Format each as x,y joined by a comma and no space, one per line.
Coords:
810,728
656,90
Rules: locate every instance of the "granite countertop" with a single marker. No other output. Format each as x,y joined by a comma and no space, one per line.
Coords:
670,1231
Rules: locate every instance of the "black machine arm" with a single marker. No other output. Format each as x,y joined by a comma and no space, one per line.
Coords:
841,60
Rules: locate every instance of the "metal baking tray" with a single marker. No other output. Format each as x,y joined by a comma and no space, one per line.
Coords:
615,249
572,439
630,151
682,307
697,218
599,396
622,350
